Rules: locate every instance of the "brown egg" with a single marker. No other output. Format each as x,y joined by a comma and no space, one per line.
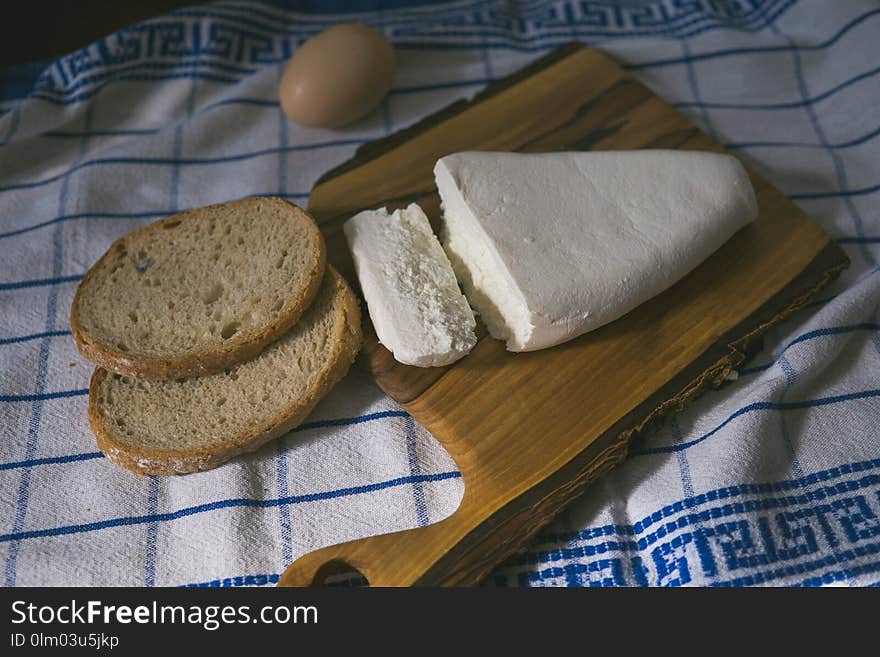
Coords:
337,76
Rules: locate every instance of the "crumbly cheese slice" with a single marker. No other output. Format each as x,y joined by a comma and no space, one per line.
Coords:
413,298
550,246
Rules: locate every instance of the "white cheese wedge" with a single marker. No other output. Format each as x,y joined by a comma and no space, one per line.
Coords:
550,246
415,303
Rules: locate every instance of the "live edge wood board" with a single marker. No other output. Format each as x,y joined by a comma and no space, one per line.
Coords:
530,431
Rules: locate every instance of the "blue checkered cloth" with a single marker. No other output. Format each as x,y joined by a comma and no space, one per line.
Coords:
774,479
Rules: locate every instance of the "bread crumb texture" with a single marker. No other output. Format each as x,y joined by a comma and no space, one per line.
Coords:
162,427
205,280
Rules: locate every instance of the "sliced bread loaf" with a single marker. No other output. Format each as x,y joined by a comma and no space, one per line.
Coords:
174,427
199,291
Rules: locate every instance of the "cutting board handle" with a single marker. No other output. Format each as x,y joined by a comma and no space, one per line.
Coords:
372,558
463,548
398,559
315,568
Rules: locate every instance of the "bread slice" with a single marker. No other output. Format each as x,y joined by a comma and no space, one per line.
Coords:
174,427
199,291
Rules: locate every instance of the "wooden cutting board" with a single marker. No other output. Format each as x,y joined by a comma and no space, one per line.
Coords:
529,431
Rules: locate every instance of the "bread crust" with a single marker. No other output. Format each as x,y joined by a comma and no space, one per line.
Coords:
166,462
209,361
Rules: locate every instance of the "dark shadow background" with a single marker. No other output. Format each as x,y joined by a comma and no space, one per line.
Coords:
40,30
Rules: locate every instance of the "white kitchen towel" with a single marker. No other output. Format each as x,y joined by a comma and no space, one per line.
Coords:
773,480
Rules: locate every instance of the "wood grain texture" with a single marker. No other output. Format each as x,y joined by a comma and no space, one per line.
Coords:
529,431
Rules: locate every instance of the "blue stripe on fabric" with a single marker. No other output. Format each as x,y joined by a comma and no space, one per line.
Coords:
224,504
85,95
282,492
86,215
862,191
280,452
761,49
152,532
33,336
811,335
791,377
298,196
73,134
858,240
22,499
695,92
238,580
257,102
43,396
801,144
23,495
282,137
181,161
415,471
121,73
684,467
51,460
841,575
805,101
305,426
38,282
839,167
438,86
831,330
320,424
762,406
756,368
